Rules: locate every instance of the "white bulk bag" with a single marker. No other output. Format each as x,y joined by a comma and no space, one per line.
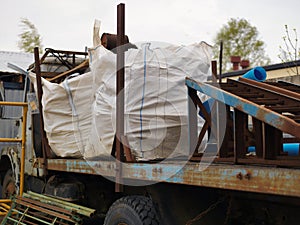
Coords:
67,113
156,111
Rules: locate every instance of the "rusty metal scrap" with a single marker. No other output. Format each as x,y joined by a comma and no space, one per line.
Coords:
33,208
273,110
230,96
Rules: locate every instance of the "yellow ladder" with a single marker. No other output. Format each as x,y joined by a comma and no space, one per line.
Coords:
5,203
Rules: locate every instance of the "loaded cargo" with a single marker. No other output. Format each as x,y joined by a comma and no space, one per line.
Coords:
149,135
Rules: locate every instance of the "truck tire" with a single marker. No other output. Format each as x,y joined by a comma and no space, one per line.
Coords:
8,187
132,210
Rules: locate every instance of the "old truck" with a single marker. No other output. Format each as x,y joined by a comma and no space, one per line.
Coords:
248,172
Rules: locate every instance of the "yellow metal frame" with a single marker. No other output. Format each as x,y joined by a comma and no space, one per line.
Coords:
3,202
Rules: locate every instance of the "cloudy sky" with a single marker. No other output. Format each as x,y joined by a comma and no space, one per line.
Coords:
67,24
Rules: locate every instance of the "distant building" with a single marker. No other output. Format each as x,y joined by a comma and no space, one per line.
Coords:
289,71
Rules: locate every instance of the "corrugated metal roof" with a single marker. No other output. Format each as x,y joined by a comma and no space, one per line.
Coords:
20,59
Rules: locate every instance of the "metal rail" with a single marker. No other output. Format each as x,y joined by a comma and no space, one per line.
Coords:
286,90
286,85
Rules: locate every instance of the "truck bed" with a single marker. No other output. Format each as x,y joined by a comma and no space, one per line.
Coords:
252,178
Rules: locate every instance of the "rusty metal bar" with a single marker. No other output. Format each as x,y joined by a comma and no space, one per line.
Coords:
198,102
41,209
273,142
45,146
127,151
206,116
240,127
66,52
226,145
236,87
271,87
120,92
221,61
258,136
287,85
26,199
44,56
214,71
193,127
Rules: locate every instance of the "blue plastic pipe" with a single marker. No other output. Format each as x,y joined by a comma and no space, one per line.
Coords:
257,74
291,148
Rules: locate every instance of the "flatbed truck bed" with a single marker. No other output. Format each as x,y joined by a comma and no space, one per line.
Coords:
251,178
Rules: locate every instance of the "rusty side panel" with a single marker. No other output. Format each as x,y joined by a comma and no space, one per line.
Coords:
257,179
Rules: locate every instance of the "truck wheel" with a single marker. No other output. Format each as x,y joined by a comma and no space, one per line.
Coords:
132,210
8,187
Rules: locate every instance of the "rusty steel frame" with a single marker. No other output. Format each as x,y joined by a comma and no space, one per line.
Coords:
286,85
268,87
59,54
242,100
50,50
259,179
63,57
266,138
261,93
268,116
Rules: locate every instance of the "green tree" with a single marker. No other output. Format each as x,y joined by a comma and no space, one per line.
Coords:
29,38
240,38
290,52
